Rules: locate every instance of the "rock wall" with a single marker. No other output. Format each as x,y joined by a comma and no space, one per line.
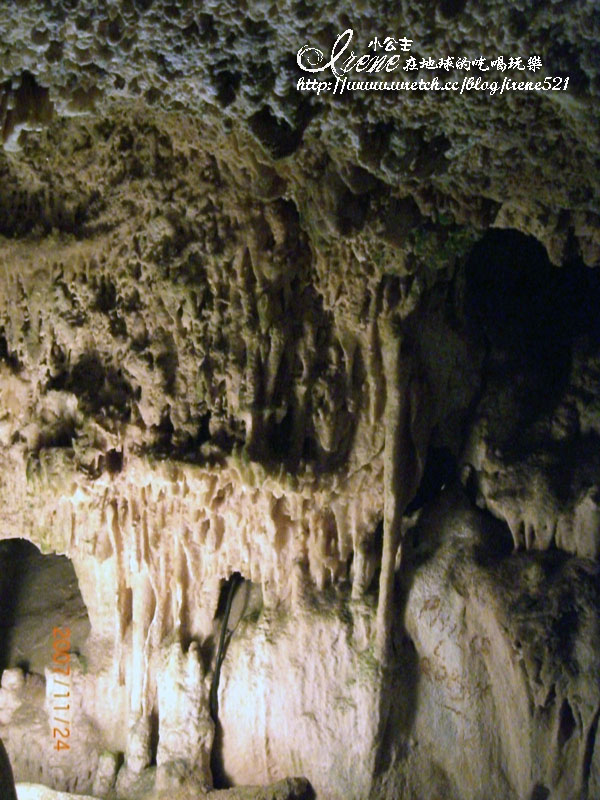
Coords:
311,340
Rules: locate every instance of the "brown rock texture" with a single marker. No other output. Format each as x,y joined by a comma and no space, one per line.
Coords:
342,345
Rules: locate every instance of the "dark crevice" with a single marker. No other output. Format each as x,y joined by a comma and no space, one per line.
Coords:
526,308
11,552
540,792
114,461
168,362
440,471
281,436
61,434
589,752
374,550
451,8
227,84
154,736
567,724
203,434
551,694
6,355
276,134
106,296
164,434
223,610
228,591
103,390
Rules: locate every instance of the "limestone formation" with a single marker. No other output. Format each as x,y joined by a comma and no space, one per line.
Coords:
339,349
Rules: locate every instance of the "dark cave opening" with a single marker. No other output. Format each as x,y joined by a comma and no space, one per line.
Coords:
567,723
281,437
154,736
529,315
523,304
509,281
440,471
6,355
540,792
38,592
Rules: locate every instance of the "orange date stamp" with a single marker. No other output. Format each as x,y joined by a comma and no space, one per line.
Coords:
61,667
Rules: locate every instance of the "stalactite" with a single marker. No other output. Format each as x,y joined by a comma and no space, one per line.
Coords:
375,369
395,421
408,422
121,611
143,610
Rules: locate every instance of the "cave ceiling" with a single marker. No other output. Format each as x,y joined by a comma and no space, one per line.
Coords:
254,325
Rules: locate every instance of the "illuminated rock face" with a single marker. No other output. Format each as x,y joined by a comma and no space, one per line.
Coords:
305,340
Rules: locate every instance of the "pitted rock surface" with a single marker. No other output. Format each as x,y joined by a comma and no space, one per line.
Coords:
345,345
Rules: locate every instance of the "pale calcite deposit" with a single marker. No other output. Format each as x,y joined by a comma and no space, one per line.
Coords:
248,331
32,791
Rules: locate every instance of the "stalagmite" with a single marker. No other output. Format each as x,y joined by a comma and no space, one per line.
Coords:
185,728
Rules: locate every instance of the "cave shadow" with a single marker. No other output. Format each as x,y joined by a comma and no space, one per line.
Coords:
529,314
399,692
14,554
425,535
221,780
400,677
37,590
398,700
